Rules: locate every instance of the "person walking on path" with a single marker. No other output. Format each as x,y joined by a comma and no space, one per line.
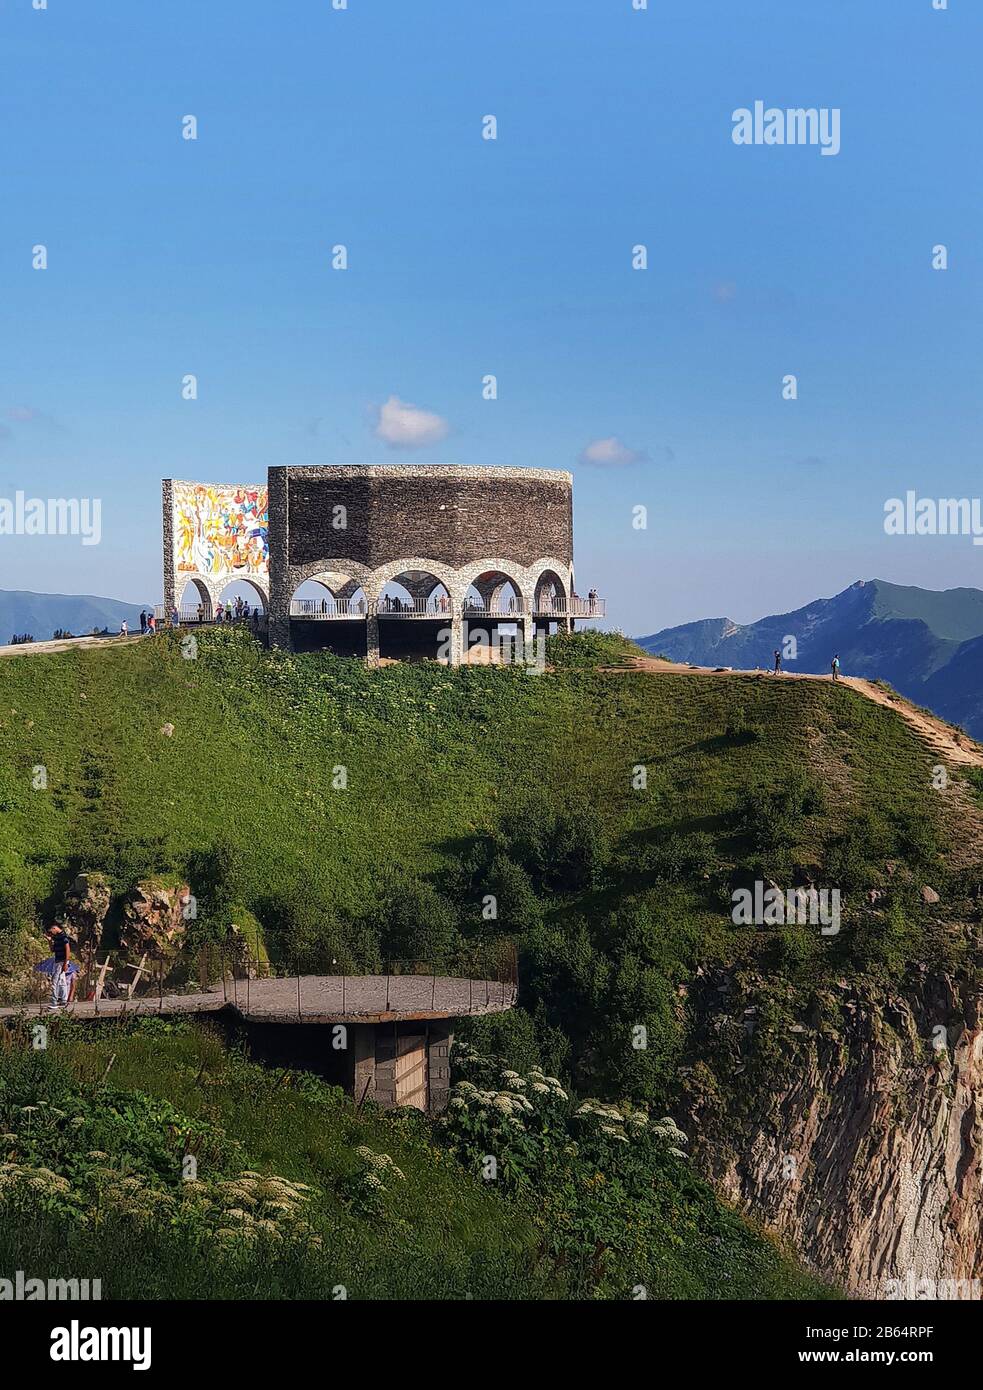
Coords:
143,622
61,947
778,663
124,630
835,668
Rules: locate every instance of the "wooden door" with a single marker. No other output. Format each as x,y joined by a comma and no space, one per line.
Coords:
411,1071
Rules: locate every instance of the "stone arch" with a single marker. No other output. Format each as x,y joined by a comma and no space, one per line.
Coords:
222,586
341,578
340,587
202,592
490,576
550,568
329,573
550,592
421,572
426,592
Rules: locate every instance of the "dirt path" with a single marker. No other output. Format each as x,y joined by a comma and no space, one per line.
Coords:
942,738
65,644
947,742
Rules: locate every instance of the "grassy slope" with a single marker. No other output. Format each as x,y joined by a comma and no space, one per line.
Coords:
435,758
443,1234
431,756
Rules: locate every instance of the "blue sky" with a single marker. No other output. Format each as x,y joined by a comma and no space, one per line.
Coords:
511,257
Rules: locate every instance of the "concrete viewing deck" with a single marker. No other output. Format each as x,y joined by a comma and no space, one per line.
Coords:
310,999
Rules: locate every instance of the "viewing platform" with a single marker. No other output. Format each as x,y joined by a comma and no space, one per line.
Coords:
327,609
306,999
386,1037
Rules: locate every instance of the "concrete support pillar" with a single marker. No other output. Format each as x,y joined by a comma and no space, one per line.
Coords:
439,1042
529,630
362,1036
457,637
371,592
372,638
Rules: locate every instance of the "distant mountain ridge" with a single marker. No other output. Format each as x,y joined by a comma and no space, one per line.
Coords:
43,614
928,644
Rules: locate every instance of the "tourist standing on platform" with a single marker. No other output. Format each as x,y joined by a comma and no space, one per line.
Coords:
61,948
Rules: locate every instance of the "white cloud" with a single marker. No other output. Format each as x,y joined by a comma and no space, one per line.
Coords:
405,426
610,453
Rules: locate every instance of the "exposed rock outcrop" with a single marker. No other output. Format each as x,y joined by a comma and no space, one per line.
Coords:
862,1144
86,905
154,921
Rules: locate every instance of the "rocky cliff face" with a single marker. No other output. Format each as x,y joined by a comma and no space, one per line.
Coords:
859,1138
86,905
154,919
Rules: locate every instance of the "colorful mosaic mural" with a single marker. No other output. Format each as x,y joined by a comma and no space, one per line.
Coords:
221,532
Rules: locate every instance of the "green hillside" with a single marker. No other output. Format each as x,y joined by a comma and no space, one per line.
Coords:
298,1193
609,814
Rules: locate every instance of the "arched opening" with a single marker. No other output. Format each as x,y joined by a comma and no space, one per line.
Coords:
550,596
414,594
195,603
328,613
241,601
494,594
493,610
328,597
414,613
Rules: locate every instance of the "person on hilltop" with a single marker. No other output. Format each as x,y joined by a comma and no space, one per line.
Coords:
835,668
778,662
151,623
143,622
124,630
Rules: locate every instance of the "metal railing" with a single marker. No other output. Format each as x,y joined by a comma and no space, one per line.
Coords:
190,617
414,608
570,607
478,977
502,609
321,609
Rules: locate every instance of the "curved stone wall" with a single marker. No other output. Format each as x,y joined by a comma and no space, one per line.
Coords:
371,524
375,514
